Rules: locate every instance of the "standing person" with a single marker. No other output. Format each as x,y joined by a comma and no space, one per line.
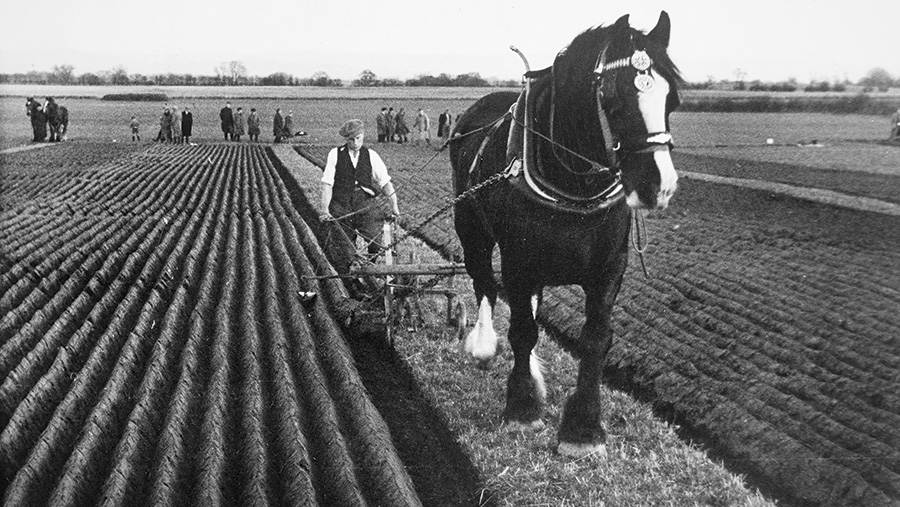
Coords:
381,124
253,125
167,125
227,121
176,125
187,125
161,136
895,125
135,129
423,126
391,124
353,177
238,124
444,121
278,125
400,127
289,126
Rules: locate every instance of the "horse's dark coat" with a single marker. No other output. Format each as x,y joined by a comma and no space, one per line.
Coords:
57,120
542,246
38,120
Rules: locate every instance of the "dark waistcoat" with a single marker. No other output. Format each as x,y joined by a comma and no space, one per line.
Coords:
347,177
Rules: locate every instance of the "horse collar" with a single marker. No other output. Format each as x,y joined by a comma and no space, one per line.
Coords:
522,159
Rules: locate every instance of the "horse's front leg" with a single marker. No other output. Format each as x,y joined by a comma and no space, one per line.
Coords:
525,392
581,431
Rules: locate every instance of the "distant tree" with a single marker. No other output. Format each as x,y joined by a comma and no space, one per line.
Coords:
390,81
472,79
366,78
322,79
90,79
277,79
877,78
62,74
118,76
817,86
232,72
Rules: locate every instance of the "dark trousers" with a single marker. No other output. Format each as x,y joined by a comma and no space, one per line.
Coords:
367,223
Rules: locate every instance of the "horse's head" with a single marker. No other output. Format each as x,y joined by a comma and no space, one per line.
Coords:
627,87
30,105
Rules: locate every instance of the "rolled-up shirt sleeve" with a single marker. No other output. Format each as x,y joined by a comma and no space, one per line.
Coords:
330,166
380,176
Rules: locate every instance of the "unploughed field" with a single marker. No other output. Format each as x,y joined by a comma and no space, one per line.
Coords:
748,335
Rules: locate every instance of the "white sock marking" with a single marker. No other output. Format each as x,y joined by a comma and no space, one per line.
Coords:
481,342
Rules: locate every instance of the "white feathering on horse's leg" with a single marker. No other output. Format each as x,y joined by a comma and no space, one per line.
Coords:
481,343
537,373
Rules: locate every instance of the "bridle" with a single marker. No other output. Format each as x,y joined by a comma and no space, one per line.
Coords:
644,82
614,190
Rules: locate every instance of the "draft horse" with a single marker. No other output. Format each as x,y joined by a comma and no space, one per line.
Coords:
57,120
35,111
560,166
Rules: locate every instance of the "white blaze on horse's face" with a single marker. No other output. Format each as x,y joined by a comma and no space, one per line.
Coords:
652,105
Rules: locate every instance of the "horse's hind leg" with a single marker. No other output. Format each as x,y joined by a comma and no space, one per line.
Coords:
525,391
478,248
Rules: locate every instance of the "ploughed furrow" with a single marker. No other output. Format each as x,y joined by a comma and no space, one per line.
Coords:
251,385
172,467
131,458
335,477
84,217
164,356
95,402
380,472
100,297
35,331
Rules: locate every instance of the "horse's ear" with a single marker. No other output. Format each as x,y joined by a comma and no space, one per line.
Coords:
621,23
660,33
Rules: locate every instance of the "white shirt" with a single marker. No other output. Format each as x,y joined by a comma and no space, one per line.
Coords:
380,175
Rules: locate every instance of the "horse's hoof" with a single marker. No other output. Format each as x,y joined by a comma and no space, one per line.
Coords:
582,450
484,364
523,427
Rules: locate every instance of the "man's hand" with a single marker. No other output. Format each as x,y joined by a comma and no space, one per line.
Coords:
326,217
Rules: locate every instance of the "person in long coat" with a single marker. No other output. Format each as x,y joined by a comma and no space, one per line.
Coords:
227,121
187,125
381,125
278,125
253,125
401,130
238,119
165,124
391,124
444,121
423,126
176,126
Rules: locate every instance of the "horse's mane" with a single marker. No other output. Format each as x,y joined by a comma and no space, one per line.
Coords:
576,62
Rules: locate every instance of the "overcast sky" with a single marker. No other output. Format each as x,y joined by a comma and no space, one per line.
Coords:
771,40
